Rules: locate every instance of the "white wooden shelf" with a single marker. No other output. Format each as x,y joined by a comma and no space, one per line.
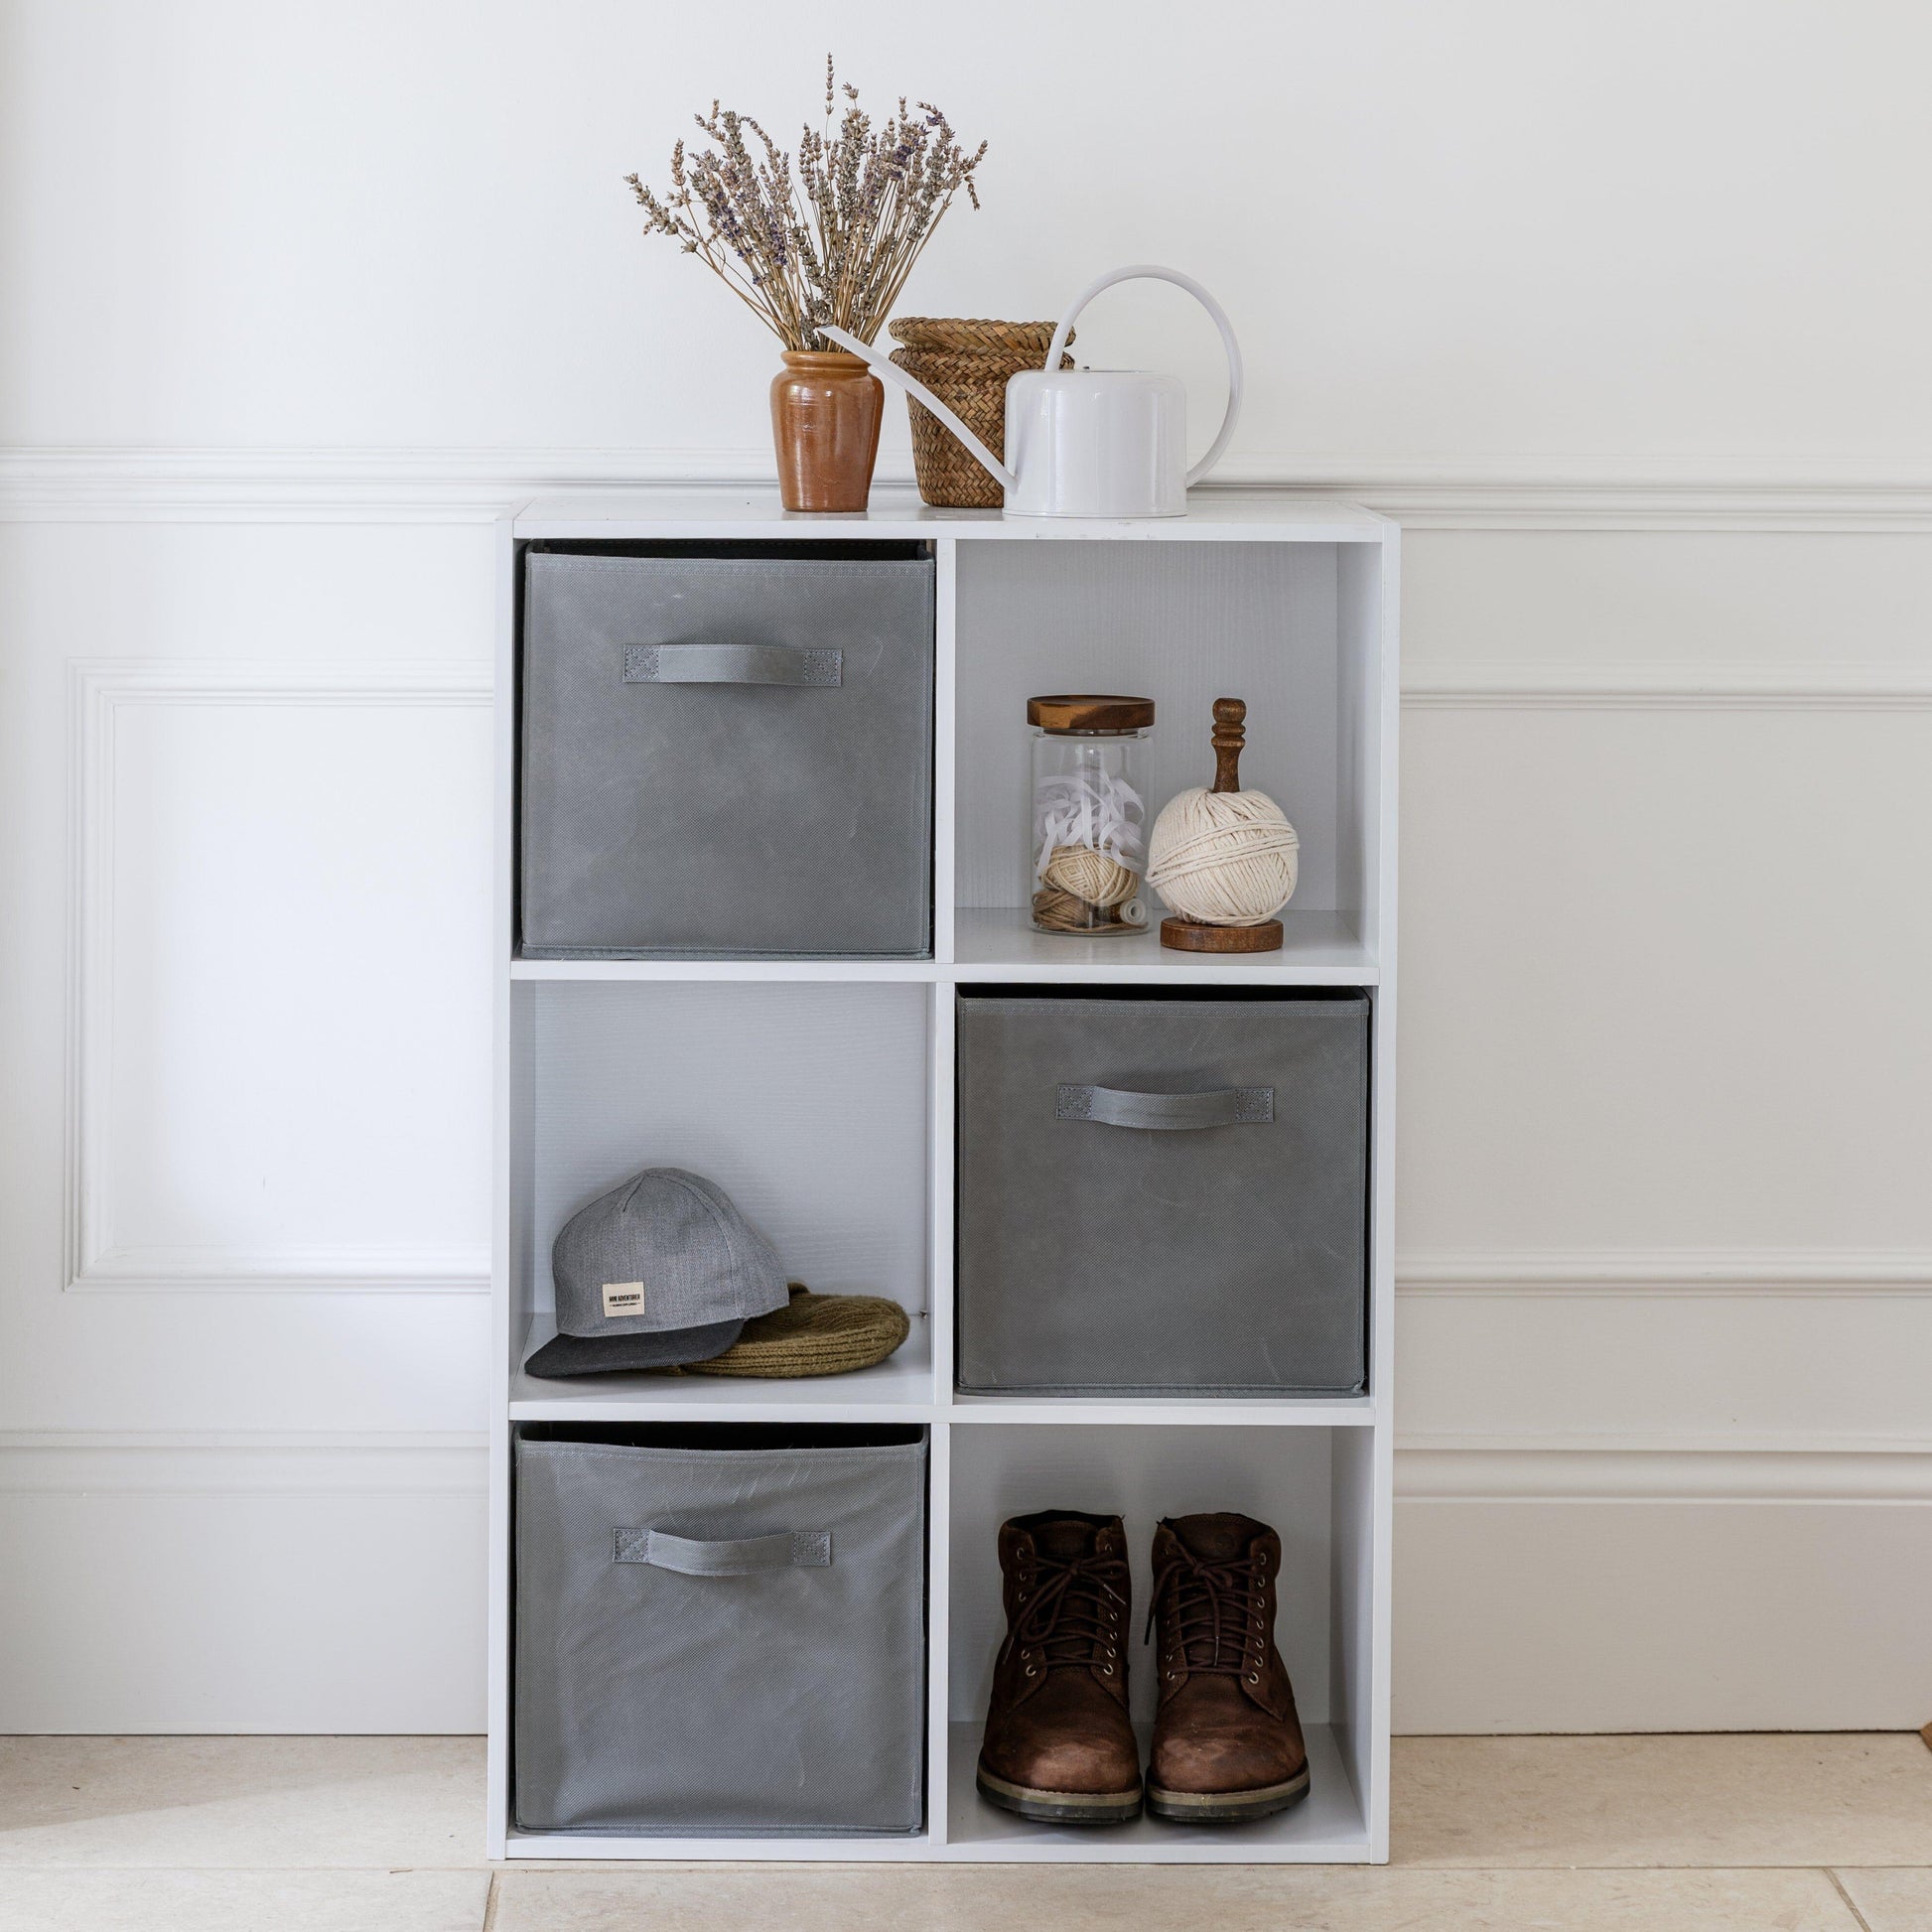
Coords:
1163,1411
995,943
1328,1827
768,971
606,1065
650,513
569,1848
899,1389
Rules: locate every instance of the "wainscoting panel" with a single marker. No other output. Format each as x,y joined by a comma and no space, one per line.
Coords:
243,1005
1539,1591
300,301
1666,1240
181,1583
1666,1246
1665,976
275,1020
1736,1358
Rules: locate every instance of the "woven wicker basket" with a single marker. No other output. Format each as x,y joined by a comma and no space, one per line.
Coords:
966,366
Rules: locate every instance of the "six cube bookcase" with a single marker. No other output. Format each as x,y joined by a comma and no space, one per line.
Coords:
819,1093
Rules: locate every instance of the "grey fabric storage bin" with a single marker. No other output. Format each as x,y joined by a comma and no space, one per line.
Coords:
720,1630
1163,1194
725,755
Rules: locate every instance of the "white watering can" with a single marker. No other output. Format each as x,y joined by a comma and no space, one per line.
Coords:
1108,443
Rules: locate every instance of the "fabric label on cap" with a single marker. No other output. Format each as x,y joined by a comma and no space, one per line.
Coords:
623,1298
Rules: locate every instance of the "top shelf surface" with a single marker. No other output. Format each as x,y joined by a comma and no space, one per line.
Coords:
1214,516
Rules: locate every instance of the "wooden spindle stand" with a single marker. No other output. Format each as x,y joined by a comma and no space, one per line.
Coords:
1189,935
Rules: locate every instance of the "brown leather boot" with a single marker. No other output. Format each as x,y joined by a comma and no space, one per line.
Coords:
1059,1743
1226,1742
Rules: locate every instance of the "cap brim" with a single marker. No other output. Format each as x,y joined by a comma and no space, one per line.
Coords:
612,1354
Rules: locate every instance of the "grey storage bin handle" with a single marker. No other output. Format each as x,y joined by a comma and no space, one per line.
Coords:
737,1557
732,664
1117,1107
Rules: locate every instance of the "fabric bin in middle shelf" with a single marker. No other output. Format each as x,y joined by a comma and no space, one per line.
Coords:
1163,1194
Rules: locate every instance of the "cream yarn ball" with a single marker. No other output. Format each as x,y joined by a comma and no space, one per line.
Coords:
1090,875
1223,858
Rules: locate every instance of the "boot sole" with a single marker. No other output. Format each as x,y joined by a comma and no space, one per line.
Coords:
1225,1807
1060,1807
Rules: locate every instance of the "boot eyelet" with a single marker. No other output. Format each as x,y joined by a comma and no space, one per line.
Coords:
1254,1676
1030,1672
1107,1670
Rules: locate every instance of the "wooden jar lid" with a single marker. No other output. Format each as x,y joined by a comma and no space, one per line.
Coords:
1090,714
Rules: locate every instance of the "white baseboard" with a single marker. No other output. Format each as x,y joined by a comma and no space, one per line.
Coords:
182,1583
1744,1611
318,1582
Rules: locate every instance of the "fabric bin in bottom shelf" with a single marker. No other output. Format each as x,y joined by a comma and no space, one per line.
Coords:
720,1630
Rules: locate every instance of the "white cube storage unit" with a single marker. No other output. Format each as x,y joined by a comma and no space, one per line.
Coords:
819,1094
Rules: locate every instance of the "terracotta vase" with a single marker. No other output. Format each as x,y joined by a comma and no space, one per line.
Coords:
825,412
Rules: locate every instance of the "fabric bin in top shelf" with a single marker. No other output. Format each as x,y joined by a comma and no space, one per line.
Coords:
720,1630
1163,1194
726,754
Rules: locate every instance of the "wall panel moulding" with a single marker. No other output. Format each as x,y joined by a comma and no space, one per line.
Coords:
474,485
1666,1271
185,1169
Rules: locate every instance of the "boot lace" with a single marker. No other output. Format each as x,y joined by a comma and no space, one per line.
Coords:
1212,1610
1071,1613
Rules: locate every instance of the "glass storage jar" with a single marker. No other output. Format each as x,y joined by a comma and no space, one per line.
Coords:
1086,851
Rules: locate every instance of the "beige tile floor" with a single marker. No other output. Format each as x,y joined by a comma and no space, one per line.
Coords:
1766,1834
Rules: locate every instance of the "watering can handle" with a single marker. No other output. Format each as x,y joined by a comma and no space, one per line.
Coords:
883,365
1145,271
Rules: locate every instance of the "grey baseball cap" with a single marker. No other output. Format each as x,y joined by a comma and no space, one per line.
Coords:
659,1272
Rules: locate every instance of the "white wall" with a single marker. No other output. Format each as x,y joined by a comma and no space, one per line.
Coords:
1621,305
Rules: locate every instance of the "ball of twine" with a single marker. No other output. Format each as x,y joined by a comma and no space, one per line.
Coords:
1058,912
1223,858
1090,874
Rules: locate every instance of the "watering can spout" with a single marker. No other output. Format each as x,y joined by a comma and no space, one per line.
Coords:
888,370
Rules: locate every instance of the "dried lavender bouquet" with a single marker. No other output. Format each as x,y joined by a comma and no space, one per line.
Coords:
830,238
